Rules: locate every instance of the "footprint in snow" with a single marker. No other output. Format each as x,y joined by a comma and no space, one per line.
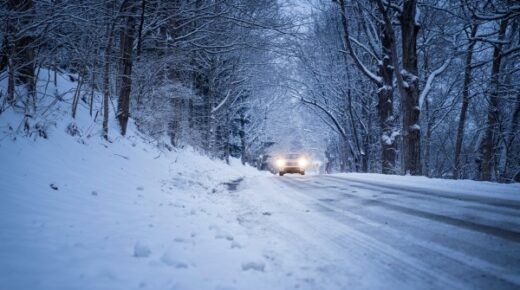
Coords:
179,240
169,260
235,245
223,235
256,266
141,250
220,234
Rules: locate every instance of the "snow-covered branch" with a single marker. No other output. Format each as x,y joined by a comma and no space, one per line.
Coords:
430,80
333,118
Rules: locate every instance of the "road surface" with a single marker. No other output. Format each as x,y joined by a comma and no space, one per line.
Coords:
378,235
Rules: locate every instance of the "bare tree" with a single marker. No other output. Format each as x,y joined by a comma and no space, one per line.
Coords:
487,144
465,98
127,44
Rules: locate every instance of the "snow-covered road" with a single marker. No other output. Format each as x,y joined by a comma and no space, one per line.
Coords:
378,234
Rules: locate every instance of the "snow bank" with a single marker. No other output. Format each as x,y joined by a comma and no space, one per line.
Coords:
78,212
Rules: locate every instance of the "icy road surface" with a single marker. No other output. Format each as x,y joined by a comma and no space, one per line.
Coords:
389,236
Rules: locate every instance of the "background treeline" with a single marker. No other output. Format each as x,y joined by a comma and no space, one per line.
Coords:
185,69
420,87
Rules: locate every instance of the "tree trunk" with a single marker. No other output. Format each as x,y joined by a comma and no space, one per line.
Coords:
367,116
106,79
75,99
511,148
242,134
19,48
427,143
140,31
10,82
175,122
410,98
465,103
512,145
385,106
127,41
407,83
486,147
358,155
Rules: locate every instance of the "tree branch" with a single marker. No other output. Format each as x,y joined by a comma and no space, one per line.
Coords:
430,80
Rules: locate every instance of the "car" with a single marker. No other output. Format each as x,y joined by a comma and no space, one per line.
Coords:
291,163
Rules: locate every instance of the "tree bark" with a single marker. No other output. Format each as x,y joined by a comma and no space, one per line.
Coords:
358,155
242,134
385,106
10,81
512,145
106,78
141,27
486,146
427,142
75,99
123,104
465,102
19,48
410,99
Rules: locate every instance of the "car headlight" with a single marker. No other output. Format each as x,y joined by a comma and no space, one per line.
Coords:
280,163
302,162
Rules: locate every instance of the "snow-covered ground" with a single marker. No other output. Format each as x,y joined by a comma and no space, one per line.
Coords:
84,213
94,215
78,212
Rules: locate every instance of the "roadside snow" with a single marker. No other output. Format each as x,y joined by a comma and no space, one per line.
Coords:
78,212
94,215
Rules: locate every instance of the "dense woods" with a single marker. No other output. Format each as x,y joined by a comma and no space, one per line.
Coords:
399,87
417,87
186,70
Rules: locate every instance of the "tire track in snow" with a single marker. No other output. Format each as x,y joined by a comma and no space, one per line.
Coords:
505,278
505,233
395,264
499,202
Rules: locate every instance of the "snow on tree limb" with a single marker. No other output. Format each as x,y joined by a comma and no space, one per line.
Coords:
364,47
221,103
430,80
336,122
348,46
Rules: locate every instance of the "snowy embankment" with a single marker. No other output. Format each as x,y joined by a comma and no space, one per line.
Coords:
78,212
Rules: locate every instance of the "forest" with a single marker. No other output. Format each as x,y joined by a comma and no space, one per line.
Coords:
418,87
